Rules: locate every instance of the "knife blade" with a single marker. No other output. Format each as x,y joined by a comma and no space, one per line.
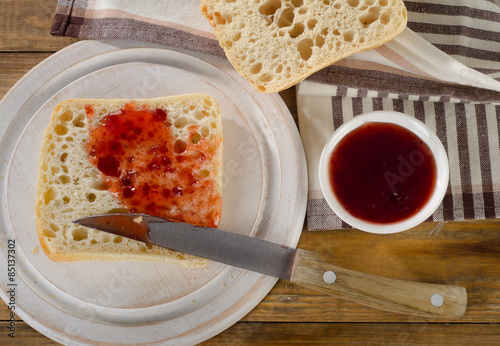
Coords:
295,265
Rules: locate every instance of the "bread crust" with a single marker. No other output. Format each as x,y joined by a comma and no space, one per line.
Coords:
275,44
69,186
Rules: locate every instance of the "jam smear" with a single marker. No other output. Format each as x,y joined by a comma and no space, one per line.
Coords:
382,173
152,172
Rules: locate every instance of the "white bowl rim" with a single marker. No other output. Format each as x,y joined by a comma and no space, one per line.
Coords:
418,128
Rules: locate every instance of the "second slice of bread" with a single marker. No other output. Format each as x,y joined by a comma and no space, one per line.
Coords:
277,43
71,186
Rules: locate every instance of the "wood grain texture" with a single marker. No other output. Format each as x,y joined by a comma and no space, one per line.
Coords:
402,296
25,26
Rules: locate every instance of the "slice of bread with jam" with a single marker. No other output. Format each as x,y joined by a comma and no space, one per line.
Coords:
159,156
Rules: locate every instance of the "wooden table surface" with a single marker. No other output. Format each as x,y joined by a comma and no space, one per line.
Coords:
459,253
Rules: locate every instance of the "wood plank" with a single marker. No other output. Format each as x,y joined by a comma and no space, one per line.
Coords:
254,333
358,334
25,26
15,65
24,335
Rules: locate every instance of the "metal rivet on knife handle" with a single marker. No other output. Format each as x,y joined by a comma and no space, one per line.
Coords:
329,277
437,300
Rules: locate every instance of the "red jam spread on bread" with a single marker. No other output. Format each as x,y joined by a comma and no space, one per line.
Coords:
382,173
150,171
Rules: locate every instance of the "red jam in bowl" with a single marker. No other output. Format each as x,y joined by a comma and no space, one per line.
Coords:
382,173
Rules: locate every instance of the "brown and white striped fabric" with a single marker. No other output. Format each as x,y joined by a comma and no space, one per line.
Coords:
444,69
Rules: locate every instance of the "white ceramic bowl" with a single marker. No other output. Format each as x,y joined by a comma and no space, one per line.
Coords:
419,129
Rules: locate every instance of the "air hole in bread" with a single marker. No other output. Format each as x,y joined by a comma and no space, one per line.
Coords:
66,199
297,3
97,185
370,16
55,169
117,240
203,173
205,131
195,154
326,2
369,2
91,197
270,7
279,68
61,130
255,68
64,169
69,139
181,123
195,138
266,77
228,44
349,35
385,18
320,41
311,23
117,211
106,238
48,233
261,88
50,195
236,36
297,30
66,116
337,6
78,122
180,146
286,18
383,3
353,3
302,10
305,48
219,19
79,234
64,156
198,114
64,179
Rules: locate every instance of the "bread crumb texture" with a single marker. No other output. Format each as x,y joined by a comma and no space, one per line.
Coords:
277,43
70,187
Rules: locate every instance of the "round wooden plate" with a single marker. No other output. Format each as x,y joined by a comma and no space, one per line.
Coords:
264,194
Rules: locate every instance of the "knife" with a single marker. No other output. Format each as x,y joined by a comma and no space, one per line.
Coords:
295,265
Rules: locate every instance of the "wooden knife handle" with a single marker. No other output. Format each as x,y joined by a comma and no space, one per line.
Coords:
424,299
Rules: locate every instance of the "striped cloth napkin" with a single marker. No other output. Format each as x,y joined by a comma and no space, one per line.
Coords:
444,69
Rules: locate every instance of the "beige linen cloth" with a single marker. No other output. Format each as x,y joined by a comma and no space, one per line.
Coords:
444,70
